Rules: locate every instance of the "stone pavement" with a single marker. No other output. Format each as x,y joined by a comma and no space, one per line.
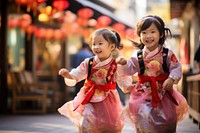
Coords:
55,123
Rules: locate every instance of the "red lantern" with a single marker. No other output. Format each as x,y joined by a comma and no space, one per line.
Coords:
58,34
130,33
40,32
82,22
22,2
25,21
103,21
30,29
49,34
41,1
119,27
60,5
13,22
85,13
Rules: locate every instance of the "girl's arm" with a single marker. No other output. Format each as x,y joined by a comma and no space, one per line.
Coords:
128,67
175,67
124,82
76,74
175,72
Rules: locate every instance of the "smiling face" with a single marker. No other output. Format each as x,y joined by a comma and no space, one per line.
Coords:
101,48
150,37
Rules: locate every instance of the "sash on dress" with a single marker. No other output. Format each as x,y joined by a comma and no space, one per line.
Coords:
154,88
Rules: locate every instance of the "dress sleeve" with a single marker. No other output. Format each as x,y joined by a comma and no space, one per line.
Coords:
81,71
130,68
175,67
123,81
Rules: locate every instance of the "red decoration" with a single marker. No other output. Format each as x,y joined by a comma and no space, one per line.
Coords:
22,2
85,13
40,32
82,22
119,26
30,29
130,33
41,1
58,34
103,21
25,21
60,5
13,22
49,34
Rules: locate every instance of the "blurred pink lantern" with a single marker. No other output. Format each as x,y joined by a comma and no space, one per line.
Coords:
60,5
22,2
49,34
13,22
25,21
82,21
130,33
103,21
40,32
85,13
30,29
58,34
119,26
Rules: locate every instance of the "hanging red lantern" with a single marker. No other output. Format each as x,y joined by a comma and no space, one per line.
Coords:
85,13
30,29
58,34
49,34
82,22
13,22
25,21
40,32
60,5
130,33
103,21
22,2
119,26
41,1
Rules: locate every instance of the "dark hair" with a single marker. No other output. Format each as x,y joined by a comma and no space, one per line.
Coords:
109,35
146,22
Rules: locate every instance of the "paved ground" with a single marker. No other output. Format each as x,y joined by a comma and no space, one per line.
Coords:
55,123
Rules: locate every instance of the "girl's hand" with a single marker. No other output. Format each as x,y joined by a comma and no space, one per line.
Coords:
64,73
129,88
121,61
168,84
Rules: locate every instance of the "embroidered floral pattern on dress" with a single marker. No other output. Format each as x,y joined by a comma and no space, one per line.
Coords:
153,68
99,77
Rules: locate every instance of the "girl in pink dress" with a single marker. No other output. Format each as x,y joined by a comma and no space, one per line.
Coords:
154,105
97,107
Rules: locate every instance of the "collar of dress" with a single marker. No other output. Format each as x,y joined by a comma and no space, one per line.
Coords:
149,54
102,63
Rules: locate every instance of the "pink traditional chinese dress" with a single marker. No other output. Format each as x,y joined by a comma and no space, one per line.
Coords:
97,107
151,109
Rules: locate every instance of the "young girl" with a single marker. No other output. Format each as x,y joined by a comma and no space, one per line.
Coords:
97,107
154,106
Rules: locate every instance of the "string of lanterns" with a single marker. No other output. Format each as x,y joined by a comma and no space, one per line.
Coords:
82,19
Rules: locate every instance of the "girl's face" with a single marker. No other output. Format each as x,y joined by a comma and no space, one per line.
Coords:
150,37
101,48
